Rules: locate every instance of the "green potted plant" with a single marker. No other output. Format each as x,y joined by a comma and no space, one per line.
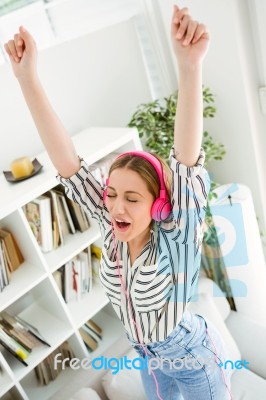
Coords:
155,123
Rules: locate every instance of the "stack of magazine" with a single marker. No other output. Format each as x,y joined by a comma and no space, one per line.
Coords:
52,216
91,334
10,257
100,169
19,337
74,279
46,371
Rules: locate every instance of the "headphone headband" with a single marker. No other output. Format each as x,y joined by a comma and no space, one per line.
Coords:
154,162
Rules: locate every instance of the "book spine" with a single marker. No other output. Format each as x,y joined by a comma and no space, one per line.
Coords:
46,225
13,352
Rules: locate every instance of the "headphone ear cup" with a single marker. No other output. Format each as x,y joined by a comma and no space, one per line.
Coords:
161,209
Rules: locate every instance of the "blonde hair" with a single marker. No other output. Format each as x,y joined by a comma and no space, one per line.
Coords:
146,171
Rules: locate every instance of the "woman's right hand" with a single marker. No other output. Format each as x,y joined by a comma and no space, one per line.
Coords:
22,52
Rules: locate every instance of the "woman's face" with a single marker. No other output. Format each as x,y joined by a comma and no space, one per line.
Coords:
129,203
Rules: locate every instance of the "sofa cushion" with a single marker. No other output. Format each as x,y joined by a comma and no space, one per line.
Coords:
245,385
207,285
85,394
126,384
250,337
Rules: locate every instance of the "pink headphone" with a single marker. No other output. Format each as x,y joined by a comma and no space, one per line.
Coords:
161,207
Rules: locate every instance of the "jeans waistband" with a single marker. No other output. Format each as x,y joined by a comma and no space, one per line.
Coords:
186,322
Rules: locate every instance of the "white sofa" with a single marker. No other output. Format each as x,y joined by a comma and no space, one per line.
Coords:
244,338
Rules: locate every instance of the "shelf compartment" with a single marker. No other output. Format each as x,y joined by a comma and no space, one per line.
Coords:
89,304
33,388
12,394
74,244
31,271
70,381
5,380
112,334
16,223
41,308
22,281
112,329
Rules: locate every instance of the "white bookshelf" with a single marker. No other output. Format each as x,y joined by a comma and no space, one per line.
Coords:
33,293
6,381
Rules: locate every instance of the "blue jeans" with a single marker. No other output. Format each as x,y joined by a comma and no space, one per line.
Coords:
190,370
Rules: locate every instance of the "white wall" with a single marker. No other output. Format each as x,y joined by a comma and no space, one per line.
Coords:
230,71
99,79
94,80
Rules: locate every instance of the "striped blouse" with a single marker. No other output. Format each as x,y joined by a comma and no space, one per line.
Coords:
163,278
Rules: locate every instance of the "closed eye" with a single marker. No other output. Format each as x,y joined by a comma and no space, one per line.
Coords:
131,201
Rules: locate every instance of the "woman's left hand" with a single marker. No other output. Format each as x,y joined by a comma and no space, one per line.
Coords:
190,39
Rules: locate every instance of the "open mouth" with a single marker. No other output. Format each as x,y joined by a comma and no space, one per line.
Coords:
122,225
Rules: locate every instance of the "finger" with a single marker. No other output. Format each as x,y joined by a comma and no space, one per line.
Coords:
7,50
177,17
29,42
18,44
183,27
9,54
201,31
191,29
13,51
175,11
174,24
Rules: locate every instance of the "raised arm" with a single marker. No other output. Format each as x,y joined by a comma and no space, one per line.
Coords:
22,53
190,42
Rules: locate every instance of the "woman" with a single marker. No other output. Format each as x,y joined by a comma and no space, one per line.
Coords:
151,252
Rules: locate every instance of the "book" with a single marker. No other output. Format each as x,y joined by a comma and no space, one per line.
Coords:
57,215
21,333
6,258
13,346
65,208
16,335
45,371
96,328
91,343
62,216
72,281
77,215
58,279
11,351
85,219
14,254
55,223
30,328
39,216
86,270
92,333
4,276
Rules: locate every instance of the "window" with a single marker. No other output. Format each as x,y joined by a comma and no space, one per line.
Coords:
55,21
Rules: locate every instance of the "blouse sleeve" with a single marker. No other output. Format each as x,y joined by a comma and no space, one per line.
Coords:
85,190
190,188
